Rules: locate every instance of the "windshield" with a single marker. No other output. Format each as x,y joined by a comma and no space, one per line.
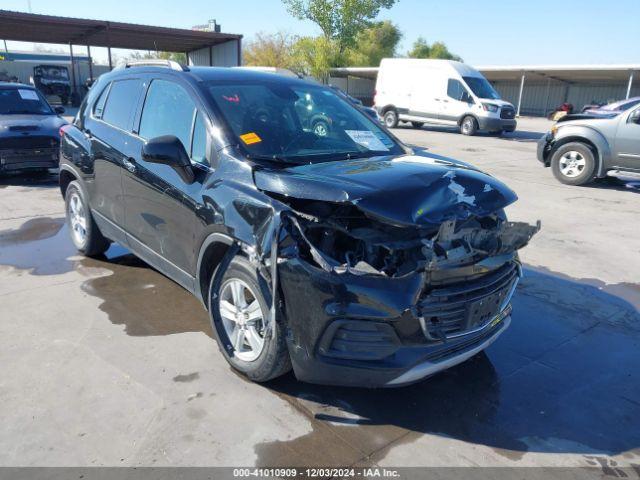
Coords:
622,105
23,100
54,72
481,87
298,123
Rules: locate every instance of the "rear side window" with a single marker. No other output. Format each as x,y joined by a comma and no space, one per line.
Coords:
168,110
121,101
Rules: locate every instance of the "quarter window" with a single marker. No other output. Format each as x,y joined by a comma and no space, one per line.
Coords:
98,108
168,110
199,143
121,101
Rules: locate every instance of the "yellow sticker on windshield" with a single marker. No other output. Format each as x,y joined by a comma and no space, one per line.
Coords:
250,138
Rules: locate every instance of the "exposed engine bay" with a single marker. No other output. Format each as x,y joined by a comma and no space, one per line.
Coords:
340,238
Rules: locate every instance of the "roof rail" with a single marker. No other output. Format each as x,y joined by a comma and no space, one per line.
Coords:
157,63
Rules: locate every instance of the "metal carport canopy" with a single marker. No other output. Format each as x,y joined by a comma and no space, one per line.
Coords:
28,27
563,73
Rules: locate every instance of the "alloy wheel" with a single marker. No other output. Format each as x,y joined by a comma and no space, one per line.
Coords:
571,164
77,219
242,319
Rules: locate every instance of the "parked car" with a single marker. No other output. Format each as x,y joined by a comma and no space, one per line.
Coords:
53,80
441,92
357,103
582,148
614,108
349,257
29,129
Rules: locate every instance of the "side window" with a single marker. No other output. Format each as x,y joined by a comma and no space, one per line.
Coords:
168,110
199,142
121,101
98,108
456,90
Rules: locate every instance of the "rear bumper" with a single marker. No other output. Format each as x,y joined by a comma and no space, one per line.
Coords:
375,332
497,124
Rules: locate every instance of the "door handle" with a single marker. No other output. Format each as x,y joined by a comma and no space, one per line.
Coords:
129,164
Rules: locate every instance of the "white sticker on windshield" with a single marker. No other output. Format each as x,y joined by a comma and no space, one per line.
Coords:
367,139
28,94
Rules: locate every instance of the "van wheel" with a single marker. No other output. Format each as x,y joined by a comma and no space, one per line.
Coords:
83,230
573,164
417,124
469,126
239,315
391,118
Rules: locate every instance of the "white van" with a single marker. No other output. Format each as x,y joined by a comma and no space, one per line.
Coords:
441,92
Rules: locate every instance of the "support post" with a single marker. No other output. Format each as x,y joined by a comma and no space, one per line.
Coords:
520,94
73,75
90,63
210,56
630,85
239,52
109,46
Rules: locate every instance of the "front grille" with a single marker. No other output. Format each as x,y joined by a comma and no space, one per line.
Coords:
28,142
507,113
455,309
29,158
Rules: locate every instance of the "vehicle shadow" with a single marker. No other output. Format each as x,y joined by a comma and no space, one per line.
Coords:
562,379
44,179
622,184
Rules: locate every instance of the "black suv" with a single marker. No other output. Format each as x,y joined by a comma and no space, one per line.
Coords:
345,256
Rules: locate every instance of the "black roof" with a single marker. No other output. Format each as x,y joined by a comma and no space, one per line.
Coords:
199,74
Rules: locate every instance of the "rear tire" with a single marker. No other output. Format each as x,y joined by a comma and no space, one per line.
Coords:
574,164
417,124
391,118
84,232
469,126
239,312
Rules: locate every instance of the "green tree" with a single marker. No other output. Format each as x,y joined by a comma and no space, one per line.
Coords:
316,56
339,20
422,49
270,50
376,42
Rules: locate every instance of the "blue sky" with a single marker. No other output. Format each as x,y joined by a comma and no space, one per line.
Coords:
482,32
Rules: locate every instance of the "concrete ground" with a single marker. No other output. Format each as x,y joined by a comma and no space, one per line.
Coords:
107,362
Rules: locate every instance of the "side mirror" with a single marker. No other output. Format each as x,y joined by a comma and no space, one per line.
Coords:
169,150
467,98
59,110
635,117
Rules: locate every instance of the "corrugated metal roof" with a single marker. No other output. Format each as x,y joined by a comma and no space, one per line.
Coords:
28,27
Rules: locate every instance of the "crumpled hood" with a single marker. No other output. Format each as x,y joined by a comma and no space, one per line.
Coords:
403,190
30,125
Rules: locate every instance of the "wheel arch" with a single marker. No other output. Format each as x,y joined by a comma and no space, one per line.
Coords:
65,177
593,139
215,248
472,115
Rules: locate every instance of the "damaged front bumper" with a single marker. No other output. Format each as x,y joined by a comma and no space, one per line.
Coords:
371,331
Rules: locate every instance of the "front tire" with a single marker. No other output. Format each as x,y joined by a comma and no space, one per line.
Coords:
83,230
240,313
573,164
391,118
469,126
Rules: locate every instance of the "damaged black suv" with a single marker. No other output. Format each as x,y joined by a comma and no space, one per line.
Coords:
346,256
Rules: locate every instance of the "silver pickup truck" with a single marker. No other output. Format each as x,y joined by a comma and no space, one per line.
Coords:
581,148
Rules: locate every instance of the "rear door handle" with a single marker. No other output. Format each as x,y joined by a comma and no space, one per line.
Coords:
129,164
